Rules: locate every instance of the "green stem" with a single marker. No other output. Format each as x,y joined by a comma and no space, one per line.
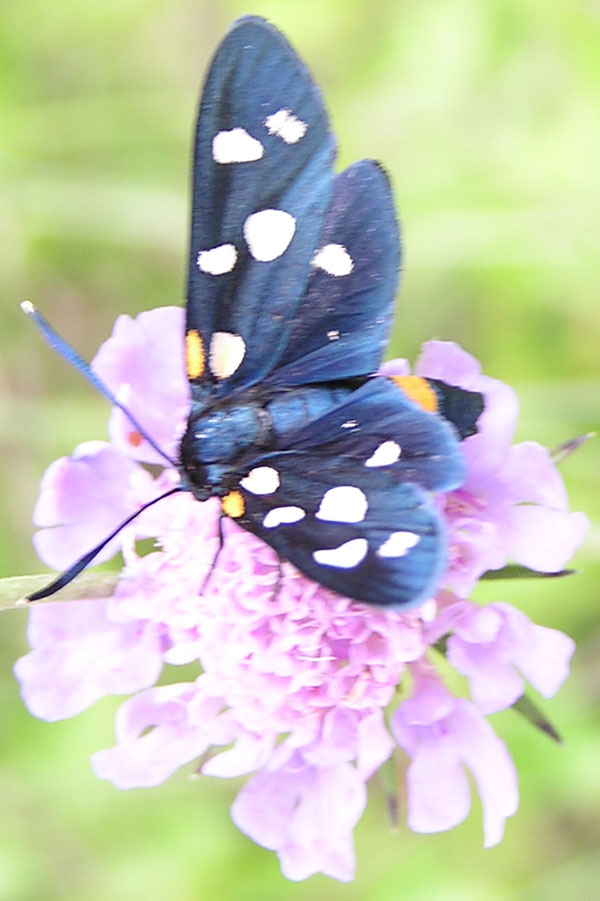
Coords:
14,590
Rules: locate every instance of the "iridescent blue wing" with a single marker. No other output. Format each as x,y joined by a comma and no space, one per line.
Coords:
262,181
379,427
346,498
341,327
359,532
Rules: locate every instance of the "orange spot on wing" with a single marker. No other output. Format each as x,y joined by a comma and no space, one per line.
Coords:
194,354
417,389
135,439
233,504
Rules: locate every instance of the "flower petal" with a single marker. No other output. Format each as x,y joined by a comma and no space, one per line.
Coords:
306,814
142,362
83,498
542,539
157,734
438,793
79,656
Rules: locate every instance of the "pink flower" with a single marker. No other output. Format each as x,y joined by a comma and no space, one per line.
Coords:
142,362
293,682
513,504
496,647
83,498
79,656
310,814
442,733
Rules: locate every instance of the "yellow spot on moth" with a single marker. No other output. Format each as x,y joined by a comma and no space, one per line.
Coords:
233,504
417,389
194,354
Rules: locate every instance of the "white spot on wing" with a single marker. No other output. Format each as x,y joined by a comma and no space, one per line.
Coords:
261,480
333,335
346,556
349,424
268,234
283,516
334,259
343,504
398,544
236,146
217,260
286,126
384,455
225,354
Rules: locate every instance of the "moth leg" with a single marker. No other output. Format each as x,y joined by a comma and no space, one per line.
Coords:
213,564
278,580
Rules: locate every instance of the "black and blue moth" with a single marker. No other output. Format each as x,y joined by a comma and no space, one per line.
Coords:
293,272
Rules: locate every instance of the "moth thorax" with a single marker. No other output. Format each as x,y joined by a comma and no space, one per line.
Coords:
212,444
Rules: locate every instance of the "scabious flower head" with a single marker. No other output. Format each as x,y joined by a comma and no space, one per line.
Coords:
295,684
512,504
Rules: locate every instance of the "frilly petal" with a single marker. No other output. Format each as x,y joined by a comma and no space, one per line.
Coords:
438,792
492,767
399,366
447,361
531,477
542,539
305,814
83,498
158,731
78,656
142,362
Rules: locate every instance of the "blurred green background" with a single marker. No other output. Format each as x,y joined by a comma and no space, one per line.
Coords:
487,116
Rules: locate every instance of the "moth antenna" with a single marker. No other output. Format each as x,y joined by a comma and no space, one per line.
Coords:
73,571
71,356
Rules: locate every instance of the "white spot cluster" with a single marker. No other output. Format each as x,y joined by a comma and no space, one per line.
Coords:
286,126
236,146
344,503
262,480
346,556
333,259
225,354
279,516
333,335
384,455
398,544
268,234
217,260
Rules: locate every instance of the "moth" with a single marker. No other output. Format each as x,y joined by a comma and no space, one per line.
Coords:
293,273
